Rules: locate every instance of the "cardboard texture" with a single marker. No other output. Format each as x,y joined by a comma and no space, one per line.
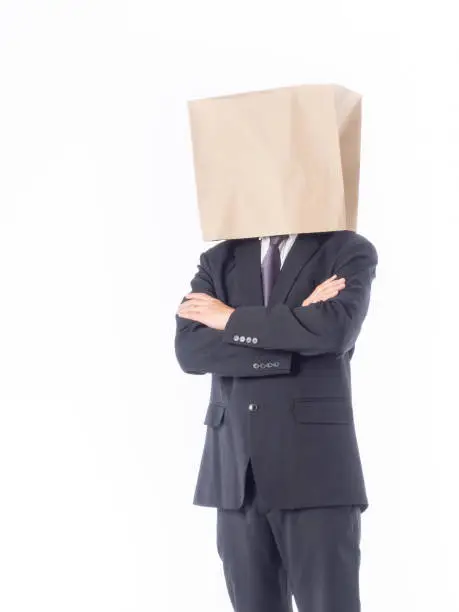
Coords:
277,161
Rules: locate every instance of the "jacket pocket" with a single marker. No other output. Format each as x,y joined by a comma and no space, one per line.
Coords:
322,410
215,413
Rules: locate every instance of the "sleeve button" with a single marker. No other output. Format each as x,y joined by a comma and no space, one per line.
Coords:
236,338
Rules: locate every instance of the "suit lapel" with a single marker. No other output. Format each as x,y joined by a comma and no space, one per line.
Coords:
248,271
301,252
248,268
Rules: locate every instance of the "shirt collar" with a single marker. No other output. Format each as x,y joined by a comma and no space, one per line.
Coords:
289,236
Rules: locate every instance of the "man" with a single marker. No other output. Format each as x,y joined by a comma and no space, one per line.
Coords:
277,330
274,321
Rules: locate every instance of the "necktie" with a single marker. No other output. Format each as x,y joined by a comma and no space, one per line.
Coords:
271,266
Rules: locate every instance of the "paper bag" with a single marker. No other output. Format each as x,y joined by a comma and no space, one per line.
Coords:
277,161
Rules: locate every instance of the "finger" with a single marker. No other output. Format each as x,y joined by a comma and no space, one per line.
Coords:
191,304
194,303
331,280
190,313
326,294
199,296
323,290
331,291
329,295
189,309
338,283
194,311
328,280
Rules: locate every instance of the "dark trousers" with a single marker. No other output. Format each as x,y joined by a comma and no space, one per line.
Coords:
312,554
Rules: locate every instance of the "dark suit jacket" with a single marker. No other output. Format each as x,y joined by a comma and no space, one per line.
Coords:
281,382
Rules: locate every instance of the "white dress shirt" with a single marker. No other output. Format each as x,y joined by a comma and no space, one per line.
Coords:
284,246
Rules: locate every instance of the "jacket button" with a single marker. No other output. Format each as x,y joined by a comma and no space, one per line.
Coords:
235,338
242,338
254,340
253,407
256,365
248,339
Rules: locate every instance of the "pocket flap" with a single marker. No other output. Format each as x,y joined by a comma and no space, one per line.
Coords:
214,414
322,409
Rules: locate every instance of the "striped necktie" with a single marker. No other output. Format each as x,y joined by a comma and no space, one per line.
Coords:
271,266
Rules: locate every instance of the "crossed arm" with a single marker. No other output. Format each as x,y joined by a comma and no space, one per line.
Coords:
199,344
328,321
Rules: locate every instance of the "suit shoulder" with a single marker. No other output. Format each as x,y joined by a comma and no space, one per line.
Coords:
216,250
220,252
215,255
350,241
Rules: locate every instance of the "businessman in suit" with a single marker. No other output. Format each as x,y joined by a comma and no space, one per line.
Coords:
275,321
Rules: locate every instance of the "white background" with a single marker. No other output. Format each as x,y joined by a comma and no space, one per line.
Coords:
100,431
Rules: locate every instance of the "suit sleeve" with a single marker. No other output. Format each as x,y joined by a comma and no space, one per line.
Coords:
331,326
200,349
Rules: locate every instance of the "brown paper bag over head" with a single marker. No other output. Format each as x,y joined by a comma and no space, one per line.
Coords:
277,161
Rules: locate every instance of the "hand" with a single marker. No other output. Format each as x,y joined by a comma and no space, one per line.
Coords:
205,309
326,290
